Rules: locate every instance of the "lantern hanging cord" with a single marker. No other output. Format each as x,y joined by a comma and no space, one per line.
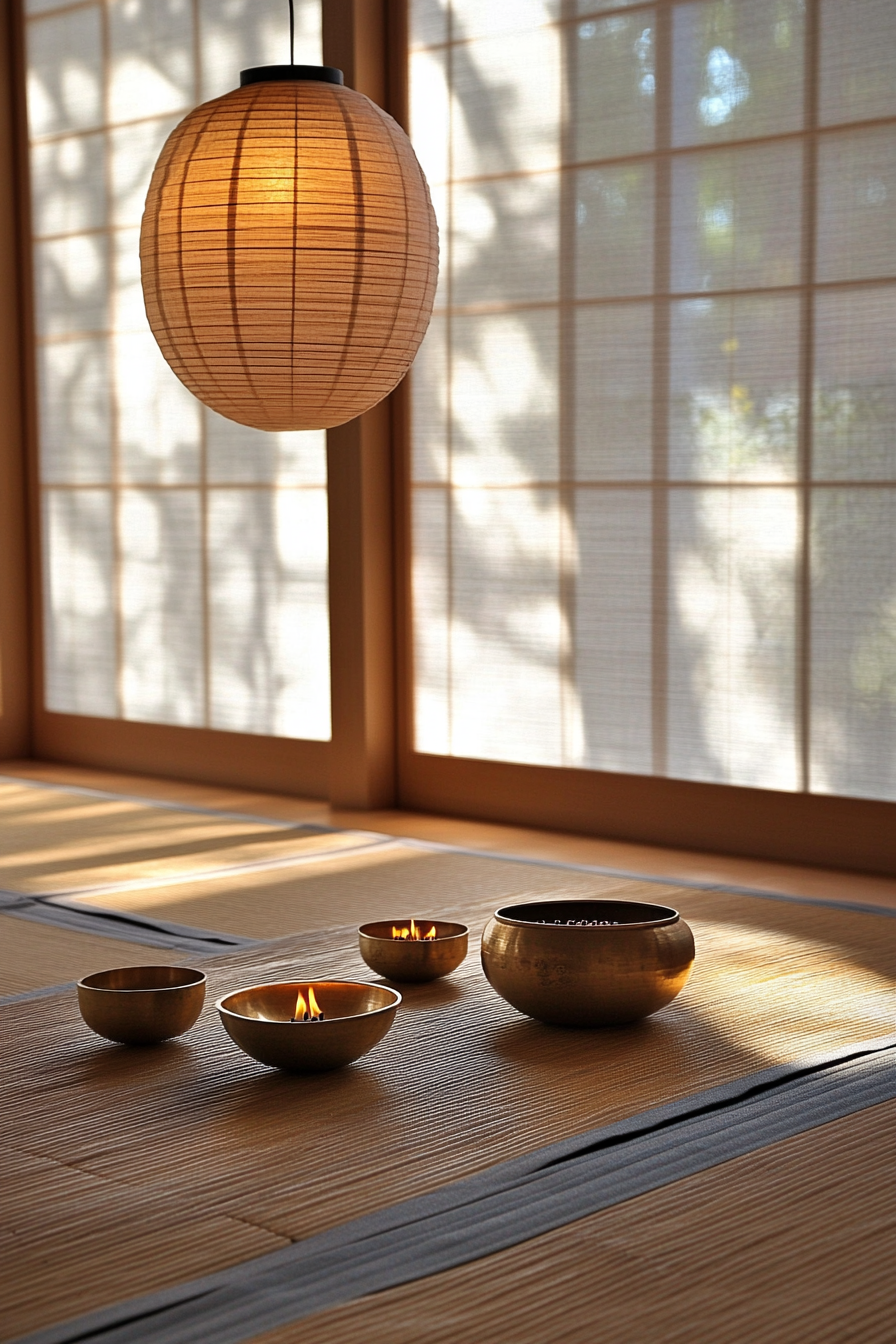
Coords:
292,33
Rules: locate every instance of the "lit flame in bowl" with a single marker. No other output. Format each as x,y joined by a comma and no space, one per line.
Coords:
414,934
309,1011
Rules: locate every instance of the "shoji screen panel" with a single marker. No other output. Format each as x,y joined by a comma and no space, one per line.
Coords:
653,471
184,557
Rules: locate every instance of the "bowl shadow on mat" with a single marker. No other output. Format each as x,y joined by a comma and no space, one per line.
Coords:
679,1042
97,1062
261,1102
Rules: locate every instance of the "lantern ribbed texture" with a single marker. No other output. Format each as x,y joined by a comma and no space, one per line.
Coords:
289,252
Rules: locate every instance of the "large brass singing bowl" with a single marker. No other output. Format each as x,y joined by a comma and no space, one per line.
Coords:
141,1005
406,960
576,976
356,1017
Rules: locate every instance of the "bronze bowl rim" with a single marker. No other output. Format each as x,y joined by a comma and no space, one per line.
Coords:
668,916
462,931
197,978
222,1008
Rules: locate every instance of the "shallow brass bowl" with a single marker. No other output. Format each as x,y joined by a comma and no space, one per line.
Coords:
401,959
141,1005
587,977
356,1017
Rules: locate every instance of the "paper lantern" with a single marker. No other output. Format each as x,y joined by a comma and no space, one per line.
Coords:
289,251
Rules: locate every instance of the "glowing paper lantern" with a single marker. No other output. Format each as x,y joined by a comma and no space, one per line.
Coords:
289,251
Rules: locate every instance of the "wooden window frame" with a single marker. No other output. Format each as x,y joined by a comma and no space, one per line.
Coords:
370,761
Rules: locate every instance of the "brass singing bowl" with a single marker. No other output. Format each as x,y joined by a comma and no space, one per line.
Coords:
141,1005
356,1017
404,960
587,977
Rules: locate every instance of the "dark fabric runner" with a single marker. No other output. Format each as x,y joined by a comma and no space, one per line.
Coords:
508,1204
120,924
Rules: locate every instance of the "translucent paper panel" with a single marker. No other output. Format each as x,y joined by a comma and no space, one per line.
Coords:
159,421
41,6
612,74
269,658
65,87
614,231
613,628
430,405
508,635
736,221
472,18
504,398
429,23
507,104
858,60
430,112
854,642
72,281
595,6
614,392
856,200
79,604
161,606
133,151
738,69
854,408
236,454
732,632
75,409
108,82
151,67
68,190
505,240
734,392
238,34
556,415
431,587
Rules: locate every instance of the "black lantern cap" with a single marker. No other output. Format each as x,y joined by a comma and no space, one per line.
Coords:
326,74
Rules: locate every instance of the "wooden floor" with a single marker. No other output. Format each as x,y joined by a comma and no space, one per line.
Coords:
675,864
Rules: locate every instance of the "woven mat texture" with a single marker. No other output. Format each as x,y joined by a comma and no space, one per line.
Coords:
328,890
193,1143
56,840
34,955
793,1243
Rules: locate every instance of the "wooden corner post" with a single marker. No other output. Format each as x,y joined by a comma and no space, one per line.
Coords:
15,728
359,475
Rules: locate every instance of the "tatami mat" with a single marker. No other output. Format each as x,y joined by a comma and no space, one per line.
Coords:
189,1157
326,890
460,1083
793,1243
57,840
34,955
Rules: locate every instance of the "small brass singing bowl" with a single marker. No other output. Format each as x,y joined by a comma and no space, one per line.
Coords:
355,1017
411,960
141,1005
569,974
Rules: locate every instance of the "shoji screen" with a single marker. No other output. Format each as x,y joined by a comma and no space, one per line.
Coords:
185,558
654,421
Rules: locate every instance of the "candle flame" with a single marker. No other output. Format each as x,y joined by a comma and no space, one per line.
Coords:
413,934
309,1011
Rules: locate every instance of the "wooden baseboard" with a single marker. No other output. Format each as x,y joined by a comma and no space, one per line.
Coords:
851,833
241,760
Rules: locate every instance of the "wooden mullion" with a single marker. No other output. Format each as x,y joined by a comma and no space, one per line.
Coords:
20,625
